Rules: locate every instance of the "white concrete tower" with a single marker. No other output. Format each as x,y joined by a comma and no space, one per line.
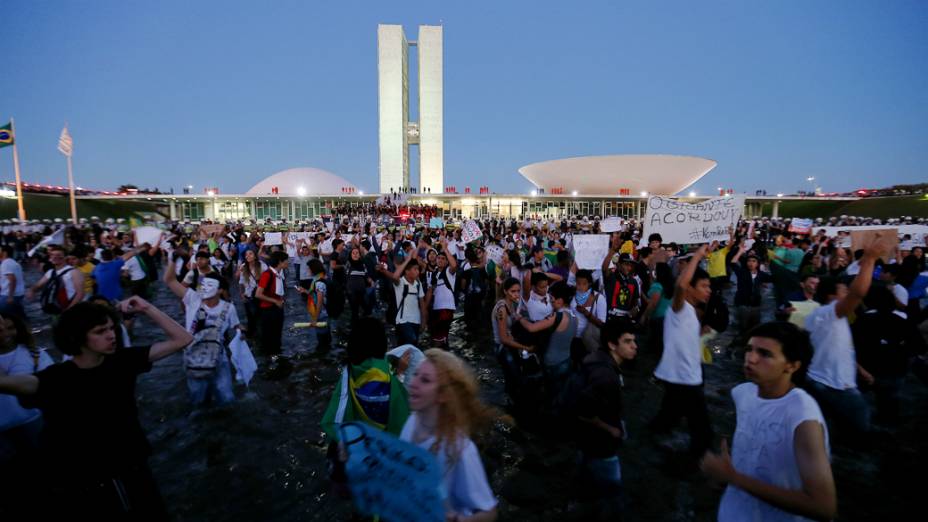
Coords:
397,133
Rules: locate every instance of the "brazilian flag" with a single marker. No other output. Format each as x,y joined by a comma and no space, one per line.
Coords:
6,135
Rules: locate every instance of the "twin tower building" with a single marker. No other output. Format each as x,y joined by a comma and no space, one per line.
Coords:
398,134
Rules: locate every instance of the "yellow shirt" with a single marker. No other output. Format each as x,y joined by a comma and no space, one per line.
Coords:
716,262
87,269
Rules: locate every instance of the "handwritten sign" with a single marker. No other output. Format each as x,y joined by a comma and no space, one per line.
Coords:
436,222
209,230
704,222
590,250
887,237
273,238
800,226
149,235
391,478
495,253
471,231
611,224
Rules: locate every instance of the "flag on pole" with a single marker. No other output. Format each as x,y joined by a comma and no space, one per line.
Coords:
65,144
6,135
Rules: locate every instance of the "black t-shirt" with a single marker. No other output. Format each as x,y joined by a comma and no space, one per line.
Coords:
91,419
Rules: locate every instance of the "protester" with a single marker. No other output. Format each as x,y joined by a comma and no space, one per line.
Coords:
679,369
63,284
249,271
779,466
446,413
94,451
601,426
411,304
270,294
441,295
12,284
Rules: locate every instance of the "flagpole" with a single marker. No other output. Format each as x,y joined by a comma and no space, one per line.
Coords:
19,181
71,187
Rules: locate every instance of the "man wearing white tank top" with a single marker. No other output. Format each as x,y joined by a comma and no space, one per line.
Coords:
680,367
834,369
779,468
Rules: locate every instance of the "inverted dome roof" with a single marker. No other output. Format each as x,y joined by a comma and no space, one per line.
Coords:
653,173
289,182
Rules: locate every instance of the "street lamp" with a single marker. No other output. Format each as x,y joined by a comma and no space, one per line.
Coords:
811,180
534,192
692,193
574,193
644,193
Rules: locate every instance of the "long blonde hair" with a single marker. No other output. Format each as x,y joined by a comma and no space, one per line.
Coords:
461,413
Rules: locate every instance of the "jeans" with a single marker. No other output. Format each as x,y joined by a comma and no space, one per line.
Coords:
218,386
407,333
602,478
844,406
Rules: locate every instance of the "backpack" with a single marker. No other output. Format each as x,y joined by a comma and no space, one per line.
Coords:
399,303
434,279
201,357
565,404
55,294
477,282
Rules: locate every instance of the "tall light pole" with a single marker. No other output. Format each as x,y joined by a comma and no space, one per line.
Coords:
811,180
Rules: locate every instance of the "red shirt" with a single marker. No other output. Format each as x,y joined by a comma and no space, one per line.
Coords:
268,281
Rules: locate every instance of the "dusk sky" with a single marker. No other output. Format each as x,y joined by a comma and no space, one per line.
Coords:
224,93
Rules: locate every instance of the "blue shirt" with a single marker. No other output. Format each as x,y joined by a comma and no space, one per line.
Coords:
107,277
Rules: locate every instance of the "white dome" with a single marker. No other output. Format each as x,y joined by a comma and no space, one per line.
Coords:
304,181
651,173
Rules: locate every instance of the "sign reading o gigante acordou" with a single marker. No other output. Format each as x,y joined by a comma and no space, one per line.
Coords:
683,223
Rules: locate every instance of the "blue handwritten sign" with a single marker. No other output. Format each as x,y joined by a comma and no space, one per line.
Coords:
391,478
436,222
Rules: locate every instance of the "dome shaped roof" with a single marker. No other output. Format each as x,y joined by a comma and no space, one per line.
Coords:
651,173
303,181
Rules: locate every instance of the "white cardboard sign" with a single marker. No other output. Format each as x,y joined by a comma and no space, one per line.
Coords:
692,223
590,250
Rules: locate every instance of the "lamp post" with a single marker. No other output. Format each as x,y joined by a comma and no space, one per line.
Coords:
811,180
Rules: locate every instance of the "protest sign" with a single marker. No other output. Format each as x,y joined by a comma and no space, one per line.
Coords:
590,250
209,230
273,238
436,222
471,231
391,478
296,236
800,226
704,222
495,253
611,224
149,235
887,237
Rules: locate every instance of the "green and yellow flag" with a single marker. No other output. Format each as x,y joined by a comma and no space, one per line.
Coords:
6,135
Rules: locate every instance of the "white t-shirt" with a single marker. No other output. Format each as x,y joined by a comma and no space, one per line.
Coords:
464,481
443,299
192,304
251,284
834,362
135,269
681,362
19,362
763,449
9,266
599,311
537,307
409,313
67,279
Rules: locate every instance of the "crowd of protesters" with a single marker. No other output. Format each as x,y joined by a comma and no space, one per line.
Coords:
845,322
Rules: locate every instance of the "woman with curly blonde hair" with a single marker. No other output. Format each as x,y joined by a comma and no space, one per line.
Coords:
443,396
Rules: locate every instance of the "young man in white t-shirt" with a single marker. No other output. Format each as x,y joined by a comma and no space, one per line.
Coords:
441,295
779,466
12,287
834,370
71,279
411,305
680,367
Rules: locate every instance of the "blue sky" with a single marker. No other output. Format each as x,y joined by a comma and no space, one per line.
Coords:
224,93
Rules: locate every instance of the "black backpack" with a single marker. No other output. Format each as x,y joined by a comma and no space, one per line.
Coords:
55,294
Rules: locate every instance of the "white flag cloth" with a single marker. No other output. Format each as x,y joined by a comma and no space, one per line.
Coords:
57,238
242,359
65,144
